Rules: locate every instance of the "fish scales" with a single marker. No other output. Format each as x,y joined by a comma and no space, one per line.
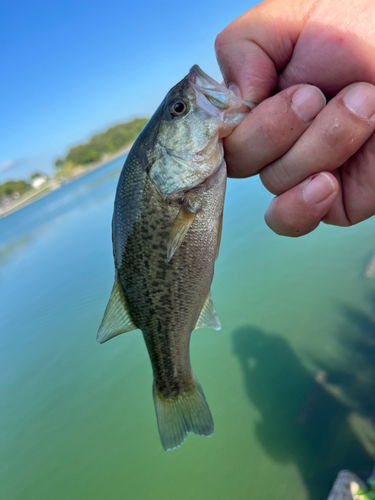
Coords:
166,232
161,294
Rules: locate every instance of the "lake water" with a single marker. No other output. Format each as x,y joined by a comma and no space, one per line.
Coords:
77,417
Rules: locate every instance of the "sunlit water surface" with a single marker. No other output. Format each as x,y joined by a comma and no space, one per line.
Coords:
77,418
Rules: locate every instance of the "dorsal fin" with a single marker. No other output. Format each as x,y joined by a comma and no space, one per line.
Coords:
116,318
208,317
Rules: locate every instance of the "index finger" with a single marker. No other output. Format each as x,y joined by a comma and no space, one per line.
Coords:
255,46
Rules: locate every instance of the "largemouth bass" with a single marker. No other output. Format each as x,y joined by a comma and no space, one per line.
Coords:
166,234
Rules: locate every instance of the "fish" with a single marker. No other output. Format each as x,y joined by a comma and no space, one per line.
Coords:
166,232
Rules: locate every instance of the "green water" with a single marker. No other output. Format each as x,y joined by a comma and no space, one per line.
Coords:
77,418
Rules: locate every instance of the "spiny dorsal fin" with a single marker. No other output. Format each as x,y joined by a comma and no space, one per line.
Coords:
116,318
178,231
208,317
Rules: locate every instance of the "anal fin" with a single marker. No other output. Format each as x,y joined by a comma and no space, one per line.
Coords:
116,318
208,317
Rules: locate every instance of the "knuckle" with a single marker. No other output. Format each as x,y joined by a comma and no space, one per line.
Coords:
225,37
341,134
338,135
275,177
219,41
224,53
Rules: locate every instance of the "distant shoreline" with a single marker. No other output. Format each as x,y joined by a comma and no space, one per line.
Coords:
54,183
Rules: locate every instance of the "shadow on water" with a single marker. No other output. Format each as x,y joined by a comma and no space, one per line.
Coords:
356,371
300,421
351,376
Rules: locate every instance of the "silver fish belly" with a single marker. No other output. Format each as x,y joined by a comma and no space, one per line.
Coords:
166,234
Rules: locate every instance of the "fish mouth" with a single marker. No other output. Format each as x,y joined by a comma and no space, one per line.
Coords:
218,95
199,78
215,93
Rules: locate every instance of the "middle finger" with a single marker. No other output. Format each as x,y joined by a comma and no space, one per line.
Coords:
336,134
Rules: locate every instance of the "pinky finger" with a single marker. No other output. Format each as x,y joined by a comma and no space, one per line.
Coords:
299,210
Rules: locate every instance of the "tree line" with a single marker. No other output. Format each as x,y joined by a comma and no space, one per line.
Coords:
98,147
101,145
11,187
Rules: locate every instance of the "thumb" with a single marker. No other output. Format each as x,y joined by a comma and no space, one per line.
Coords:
252,49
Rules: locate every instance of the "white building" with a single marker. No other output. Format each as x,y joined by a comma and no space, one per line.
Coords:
38,181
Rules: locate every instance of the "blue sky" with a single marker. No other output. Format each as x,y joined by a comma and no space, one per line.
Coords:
72,68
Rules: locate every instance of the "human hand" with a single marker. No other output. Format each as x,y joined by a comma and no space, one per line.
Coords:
318,159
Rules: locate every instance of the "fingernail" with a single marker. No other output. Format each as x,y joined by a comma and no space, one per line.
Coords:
360,99
235,89
318,189
307,101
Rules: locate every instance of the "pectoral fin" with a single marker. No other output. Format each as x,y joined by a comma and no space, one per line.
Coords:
208,317
178,231
116,318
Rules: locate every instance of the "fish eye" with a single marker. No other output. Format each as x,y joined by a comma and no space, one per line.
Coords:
177,107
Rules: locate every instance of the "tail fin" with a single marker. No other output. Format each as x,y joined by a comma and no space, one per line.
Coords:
182,414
